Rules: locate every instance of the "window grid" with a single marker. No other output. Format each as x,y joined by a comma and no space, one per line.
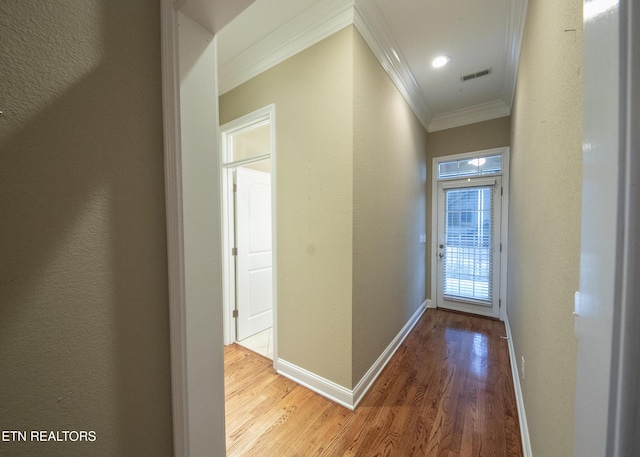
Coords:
473,166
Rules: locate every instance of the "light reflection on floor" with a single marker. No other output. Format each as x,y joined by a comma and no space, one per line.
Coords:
478,347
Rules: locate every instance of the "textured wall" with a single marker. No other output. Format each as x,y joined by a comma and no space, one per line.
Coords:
495,133
389,180
313,93
350,181
83,289
544,219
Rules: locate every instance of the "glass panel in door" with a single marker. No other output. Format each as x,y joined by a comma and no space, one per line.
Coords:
468,244
467,238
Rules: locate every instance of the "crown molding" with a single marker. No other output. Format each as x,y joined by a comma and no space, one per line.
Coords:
312,26
471,115
306,29
515,33
327,17
371,25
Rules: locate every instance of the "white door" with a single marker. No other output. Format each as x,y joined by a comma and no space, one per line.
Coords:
468,249
254,297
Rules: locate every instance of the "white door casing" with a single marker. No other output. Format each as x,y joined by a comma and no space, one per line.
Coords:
254,252
230,162
468,245
606,310
499,180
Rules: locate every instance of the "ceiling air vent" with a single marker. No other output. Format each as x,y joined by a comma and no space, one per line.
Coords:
475,75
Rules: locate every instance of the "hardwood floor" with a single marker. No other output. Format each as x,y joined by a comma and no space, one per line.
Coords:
446,392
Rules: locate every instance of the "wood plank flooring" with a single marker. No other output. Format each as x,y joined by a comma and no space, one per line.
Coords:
447,392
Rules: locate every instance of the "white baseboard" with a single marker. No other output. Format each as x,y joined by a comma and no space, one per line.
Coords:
522,417
318,384
430,304
337,393
370,376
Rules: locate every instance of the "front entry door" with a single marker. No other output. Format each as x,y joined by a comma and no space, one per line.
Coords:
254,291
468,245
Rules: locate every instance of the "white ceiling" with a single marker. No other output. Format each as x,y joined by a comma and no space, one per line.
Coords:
212,14
405,35
471,32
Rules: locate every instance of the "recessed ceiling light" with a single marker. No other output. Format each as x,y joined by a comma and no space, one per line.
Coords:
440,61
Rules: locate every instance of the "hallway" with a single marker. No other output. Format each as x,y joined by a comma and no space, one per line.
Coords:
447,391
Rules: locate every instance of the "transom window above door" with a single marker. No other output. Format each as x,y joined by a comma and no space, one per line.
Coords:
470,195
470,166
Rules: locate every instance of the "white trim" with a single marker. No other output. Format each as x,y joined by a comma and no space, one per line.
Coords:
318,384
504,236
260,116
337,393
306,29
325,18
625,401
471,181
372,374
430,303
228,265
504,221
515,33
246,122
522,416
274,229
371,25
434,233
469,155
175,233
243,162
471,115
315,24
492,307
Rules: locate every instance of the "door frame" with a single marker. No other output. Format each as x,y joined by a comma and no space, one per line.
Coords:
494,182
504,222
262,116
187,396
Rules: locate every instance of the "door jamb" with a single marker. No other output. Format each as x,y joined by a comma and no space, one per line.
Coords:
254,119
504,227
175,230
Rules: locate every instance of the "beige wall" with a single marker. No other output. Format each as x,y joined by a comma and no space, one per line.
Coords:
544,219
389,180
83,285
313,94
350,171
495,133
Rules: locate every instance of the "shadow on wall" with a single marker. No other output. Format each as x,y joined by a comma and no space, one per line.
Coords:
84,327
